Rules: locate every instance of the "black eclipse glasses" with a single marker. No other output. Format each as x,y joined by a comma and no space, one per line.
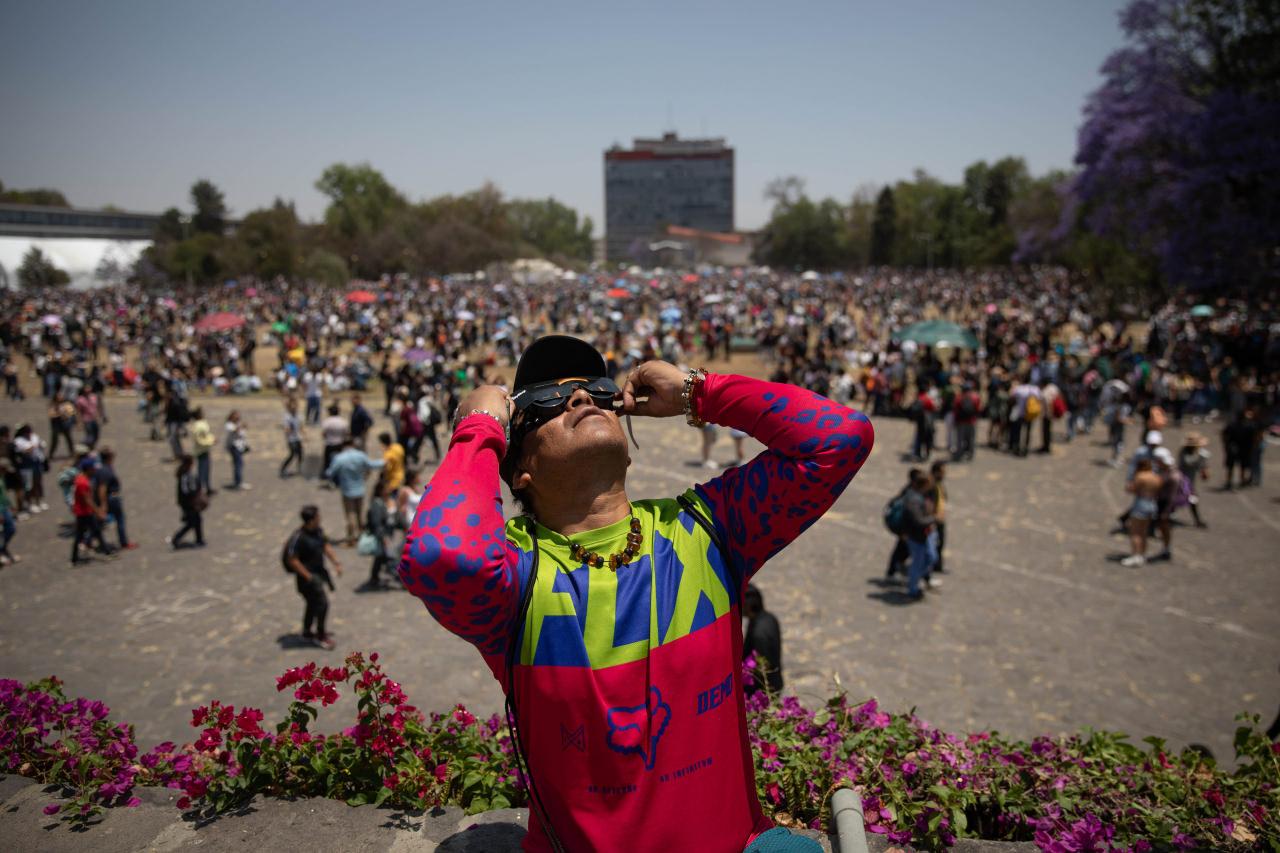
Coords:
537,404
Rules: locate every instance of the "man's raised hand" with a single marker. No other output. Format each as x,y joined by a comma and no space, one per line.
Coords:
488,398
660,381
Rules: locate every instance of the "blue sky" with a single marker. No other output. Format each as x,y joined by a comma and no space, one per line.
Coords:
130,102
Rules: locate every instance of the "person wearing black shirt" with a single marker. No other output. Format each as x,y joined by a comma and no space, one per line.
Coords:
763,637
361,421
191,500
304,555
107,485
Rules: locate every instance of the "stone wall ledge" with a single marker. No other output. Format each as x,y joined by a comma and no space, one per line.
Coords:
312,825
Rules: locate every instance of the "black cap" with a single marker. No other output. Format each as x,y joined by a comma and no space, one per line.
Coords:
558,357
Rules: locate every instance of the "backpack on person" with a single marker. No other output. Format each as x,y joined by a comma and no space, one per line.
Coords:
895,513
410,424
967,407
1059,407
1034,408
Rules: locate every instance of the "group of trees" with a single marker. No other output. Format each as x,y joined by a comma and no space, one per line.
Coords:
1177,180
39,195
369,228
922,222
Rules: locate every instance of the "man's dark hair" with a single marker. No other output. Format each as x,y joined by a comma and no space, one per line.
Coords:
333,409
753,600
938,466
309,513
385,438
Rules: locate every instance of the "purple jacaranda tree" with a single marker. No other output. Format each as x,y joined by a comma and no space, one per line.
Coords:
1179,153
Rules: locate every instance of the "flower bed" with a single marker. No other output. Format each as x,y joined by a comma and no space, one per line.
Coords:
1093,791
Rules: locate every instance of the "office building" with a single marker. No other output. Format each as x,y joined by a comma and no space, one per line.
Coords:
662,182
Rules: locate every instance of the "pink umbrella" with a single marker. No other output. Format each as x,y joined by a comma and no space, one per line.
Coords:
219,322
252,291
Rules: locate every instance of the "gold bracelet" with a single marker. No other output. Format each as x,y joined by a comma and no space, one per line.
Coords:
694,377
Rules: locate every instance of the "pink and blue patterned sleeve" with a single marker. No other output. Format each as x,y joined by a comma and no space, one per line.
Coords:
456,557
814,447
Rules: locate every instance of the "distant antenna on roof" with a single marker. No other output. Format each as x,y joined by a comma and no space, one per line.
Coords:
671,122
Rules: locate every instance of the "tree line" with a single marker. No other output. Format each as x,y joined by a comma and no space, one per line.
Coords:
369,228
1176,180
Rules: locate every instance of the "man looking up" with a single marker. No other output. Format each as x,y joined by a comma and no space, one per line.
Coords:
614,626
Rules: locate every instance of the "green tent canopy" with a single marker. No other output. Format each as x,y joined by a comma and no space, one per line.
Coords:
938,333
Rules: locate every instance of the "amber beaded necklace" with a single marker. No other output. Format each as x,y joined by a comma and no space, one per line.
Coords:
615,561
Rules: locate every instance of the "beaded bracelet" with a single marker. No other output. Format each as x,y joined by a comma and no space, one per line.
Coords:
506,430
695,376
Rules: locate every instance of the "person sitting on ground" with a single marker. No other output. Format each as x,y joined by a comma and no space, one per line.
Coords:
666,579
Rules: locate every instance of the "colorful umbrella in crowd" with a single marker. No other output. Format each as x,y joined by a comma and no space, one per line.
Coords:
280,327
1202,311
51,320
362,297
937,333
219,322
465,315
416,355
618,293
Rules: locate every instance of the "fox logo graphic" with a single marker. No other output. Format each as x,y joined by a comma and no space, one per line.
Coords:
638,729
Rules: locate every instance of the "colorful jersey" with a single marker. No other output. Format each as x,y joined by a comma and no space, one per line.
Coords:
628,685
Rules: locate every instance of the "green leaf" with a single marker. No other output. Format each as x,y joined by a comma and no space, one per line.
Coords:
383,793
959,823
361,799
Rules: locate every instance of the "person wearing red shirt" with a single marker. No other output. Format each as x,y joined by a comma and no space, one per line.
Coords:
923,411
88,513
614,625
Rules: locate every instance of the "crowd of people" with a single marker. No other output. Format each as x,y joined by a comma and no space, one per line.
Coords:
1049,365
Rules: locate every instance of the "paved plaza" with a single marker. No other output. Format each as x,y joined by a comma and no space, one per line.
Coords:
1035,629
